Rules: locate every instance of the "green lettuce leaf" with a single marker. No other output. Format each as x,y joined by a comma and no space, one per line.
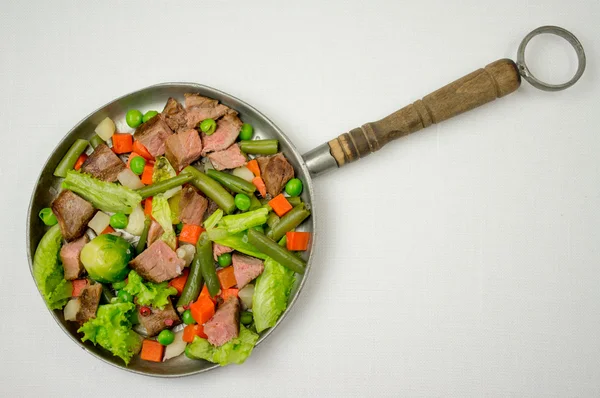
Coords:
271,294
162,214
106,196
241,222
213,219
237,242
112,330
48,272
151,294
234,351
162,170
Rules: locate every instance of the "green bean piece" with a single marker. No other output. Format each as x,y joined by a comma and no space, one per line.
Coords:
207,264
289,221
141,245
254,203
294,200
212,189
276,252
283,241
96,140
163,186
234,183
194,282
70,158
272,220
260,147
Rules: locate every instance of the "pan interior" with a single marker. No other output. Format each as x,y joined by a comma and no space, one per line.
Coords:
154,98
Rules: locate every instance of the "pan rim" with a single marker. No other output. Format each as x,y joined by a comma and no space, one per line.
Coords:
281,135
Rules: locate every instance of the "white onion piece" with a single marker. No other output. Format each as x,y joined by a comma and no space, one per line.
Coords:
244,173
246,295
176,348
128,179
71,309
171,192
99,222
105,129
208,165
186,253
135,225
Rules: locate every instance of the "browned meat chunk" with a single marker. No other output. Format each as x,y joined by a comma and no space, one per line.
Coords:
103,163
73,214
228,129
220,249
276,171
183,148
89,299
246,269
158,263
153,135
229,158
174,115
69,255
192,206
199,108
154,233
224,325
159,320
212,207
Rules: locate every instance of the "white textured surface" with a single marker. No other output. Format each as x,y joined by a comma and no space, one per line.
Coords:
461,261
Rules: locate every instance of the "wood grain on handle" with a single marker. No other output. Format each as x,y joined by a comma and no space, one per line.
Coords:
480,87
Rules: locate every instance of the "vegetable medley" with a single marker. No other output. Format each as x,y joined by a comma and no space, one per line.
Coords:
176,237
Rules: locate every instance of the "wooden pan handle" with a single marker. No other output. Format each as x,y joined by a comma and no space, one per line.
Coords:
480,87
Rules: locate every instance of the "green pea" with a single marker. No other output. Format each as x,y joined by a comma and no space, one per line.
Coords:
246,132
242,201
47,216
137,165
188,319
208,126
133,118
293,187
178,228
246,318
148,115
224,260
166,337
124,297
118,221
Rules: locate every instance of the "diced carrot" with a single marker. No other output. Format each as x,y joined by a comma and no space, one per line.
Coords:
226,293
108,230
131,156
226,277
190,233
260,185
147,174
205,294
253,167
141,149
297,240
152,351
148,206
191,331
280,205
78,285
202,310
82,158
122,143
179,282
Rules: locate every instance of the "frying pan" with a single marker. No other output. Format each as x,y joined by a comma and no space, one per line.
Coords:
495,80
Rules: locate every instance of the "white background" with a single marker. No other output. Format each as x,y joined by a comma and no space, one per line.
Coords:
463,260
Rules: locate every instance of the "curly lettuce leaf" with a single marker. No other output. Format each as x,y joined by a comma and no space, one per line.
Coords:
112,330
106,196
155,295
163,171
48,272
243,221
234,351
162,214
271,294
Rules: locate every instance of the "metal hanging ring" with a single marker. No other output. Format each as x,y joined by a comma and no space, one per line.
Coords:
565,34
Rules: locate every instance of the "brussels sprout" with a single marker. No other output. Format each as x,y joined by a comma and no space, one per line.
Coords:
105,258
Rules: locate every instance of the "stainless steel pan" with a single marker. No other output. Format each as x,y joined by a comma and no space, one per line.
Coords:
496,80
